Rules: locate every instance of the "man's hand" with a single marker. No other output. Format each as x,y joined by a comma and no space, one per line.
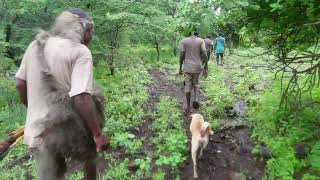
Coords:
85,106
102,142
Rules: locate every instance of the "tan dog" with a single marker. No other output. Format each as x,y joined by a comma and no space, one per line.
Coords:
200,131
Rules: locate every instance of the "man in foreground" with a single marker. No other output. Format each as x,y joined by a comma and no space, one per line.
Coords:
219,48
62,52
194,60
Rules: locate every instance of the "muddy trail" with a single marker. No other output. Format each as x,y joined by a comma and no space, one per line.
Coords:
228,155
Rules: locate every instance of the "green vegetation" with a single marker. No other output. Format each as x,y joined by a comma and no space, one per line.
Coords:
284,130
169,136
225,86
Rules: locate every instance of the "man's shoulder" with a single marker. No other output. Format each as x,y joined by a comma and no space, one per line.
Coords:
186,39
33,44
67,44
207,40
63,41
198,39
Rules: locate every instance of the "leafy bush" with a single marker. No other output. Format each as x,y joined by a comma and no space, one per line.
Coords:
169,136
282,129
127,140
117,170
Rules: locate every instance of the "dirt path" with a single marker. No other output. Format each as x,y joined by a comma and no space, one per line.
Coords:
228,154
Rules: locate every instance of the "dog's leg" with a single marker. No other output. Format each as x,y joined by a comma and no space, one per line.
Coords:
194,149
200,154
204,145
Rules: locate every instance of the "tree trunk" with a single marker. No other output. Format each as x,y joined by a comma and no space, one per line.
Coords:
113,46
157,48
230,43
174,46
9,51
111,64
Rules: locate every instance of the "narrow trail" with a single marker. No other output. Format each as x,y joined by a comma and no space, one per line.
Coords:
228,154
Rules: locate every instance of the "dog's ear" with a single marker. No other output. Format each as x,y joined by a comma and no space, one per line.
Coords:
210,131
205,129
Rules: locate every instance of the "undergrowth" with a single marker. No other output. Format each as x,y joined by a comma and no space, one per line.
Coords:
282,130
169,136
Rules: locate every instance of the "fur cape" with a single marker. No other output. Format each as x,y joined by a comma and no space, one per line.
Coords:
65,131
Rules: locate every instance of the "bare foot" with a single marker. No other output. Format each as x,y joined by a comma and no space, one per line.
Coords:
186,110
196,105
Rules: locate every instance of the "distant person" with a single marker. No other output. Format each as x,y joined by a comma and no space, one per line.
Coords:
219,48
209,45
194,60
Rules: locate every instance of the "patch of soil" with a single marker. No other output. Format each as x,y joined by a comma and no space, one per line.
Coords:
161,86
227,155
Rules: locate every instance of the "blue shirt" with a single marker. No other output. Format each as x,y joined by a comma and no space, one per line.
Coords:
220,44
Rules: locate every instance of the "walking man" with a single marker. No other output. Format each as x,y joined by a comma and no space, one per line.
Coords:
194,60
209,45
219,47
64,50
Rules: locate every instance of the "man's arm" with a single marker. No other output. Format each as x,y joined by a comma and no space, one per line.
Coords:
182,57
204,58
21,86
212,46
85,106
81,93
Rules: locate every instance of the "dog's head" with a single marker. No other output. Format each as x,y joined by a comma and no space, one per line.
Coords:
206,129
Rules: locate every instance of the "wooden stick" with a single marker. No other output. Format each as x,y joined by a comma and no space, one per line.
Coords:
16,142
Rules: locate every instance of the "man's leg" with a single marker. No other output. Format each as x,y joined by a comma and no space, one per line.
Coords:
195,89
195,85
188,96
221,55
49,165
217,58
90,169
61,166
187,89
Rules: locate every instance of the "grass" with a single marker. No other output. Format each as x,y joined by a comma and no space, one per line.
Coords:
230,83
282,131
169,136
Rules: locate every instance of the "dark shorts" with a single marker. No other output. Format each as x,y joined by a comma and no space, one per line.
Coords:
219,54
